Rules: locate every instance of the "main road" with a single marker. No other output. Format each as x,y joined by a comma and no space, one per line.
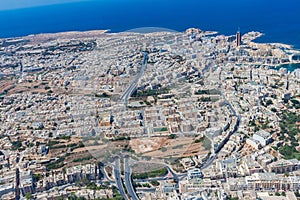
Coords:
128,181
117,172
226,139
128,92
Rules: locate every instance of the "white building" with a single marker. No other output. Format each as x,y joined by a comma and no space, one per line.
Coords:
194,174
253,143
263,137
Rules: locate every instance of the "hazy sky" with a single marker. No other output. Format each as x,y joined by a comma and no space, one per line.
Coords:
15,4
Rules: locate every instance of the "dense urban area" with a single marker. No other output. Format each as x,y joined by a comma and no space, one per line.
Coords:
164,115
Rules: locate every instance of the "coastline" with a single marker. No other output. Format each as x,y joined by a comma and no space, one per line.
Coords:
64,35
249,38
94,33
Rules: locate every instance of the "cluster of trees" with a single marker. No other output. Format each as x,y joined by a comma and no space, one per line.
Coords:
103,95
163,129
280,194
172,136
16,145
267,103
295,103
53,144
155,173
153,92
289,127
211,92
205,99
89,157
288,151
56,164
121,138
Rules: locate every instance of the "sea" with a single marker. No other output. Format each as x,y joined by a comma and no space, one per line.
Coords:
279,20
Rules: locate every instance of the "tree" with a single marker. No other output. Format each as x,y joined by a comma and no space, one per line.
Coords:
17,145
154,183
38,177
269,102
273,110
61,198
233,198
287,151
37,143
172,136
28,196
72,196
216,193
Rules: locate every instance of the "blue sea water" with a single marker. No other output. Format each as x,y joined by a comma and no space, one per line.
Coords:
290,67
278,20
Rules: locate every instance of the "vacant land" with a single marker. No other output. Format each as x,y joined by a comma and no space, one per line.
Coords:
163,147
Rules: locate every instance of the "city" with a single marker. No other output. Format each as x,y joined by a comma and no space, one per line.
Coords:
164,115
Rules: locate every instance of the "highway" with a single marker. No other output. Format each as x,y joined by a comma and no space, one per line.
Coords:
128,92
117,172
128,182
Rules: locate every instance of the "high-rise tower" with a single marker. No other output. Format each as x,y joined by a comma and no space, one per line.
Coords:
238,38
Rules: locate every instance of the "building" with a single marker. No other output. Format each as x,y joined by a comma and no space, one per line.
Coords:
284,166
26,182
263,137
168,187
228,167
253,143
263,181
238,39
286,96
272,182
236,184
251,166
265,159
195,174
6,188
187,162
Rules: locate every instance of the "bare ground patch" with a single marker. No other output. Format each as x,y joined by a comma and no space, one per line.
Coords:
162,147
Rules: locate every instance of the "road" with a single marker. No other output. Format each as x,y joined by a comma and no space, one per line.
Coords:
128,92
128,182
117,172
105,175
17,189
209,162
226,139
21,70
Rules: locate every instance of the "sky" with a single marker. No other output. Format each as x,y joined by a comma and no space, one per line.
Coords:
16,4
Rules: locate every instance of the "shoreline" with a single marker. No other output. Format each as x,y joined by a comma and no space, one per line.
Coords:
65,35
91,33
59,34
251,36
285,66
